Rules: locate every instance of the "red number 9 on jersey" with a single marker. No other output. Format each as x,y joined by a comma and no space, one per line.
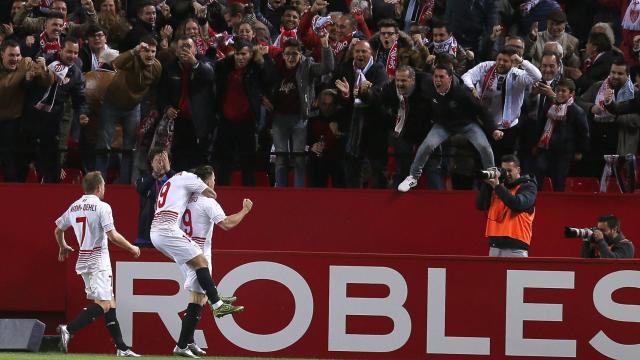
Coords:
186,221
162,197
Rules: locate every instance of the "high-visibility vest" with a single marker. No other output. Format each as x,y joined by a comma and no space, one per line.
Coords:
502,221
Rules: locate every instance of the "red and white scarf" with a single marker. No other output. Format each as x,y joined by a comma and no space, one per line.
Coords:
392,60
427,8
556,113
202,46
631,20
338,46
47,46
284,35
626,92
487,82
48,99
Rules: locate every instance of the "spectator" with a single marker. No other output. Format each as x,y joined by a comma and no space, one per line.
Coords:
367,132
292,96
541,97
325,142
272,11
472,24
95,47
148,186
145,26
234,14
455,111
204,43
137,71
516,43
30,25
597,64
247,32
17,74
445,43
49,40
45,109
530,12
556,26
562,137
289,29
501,87
509,200
341,28
114,24
607,241
608,131
630,27
386,45
240,86
407,99
186,94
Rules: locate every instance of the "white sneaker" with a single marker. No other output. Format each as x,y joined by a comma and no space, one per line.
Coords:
126,353
184,352
407,184
196,349
65,337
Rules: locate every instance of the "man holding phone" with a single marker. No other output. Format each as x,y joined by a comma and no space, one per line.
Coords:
185,94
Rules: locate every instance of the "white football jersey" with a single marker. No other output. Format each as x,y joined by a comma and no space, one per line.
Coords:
173,197
199,219
91,219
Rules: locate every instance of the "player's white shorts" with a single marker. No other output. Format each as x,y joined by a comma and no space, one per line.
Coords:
98,285
191,280
175,244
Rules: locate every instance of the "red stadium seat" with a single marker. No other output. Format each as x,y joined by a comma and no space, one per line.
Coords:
33,176
74,176
582,184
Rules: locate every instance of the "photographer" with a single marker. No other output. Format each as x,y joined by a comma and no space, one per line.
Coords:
606,241
510,201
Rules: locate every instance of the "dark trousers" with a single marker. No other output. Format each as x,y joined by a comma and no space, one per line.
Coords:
41,136
404,150
320,168
236,138
507,145
186,151
9,132
554,165
377,165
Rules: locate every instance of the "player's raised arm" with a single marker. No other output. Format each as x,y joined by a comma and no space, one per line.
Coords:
233,220
65,249
121,242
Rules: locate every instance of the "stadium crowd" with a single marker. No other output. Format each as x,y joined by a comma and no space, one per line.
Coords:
344,92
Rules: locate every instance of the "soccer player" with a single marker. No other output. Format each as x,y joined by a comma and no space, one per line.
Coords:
201,215
169,239
92,224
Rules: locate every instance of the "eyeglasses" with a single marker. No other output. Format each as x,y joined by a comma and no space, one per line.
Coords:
387,33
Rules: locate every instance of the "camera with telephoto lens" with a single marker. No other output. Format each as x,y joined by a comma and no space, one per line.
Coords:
493,173
585,233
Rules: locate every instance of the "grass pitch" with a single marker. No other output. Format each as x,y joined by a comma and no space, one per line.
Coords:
60,356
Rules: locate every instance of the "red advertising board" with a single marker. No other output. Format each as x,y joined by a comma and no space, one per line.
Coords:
325,305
